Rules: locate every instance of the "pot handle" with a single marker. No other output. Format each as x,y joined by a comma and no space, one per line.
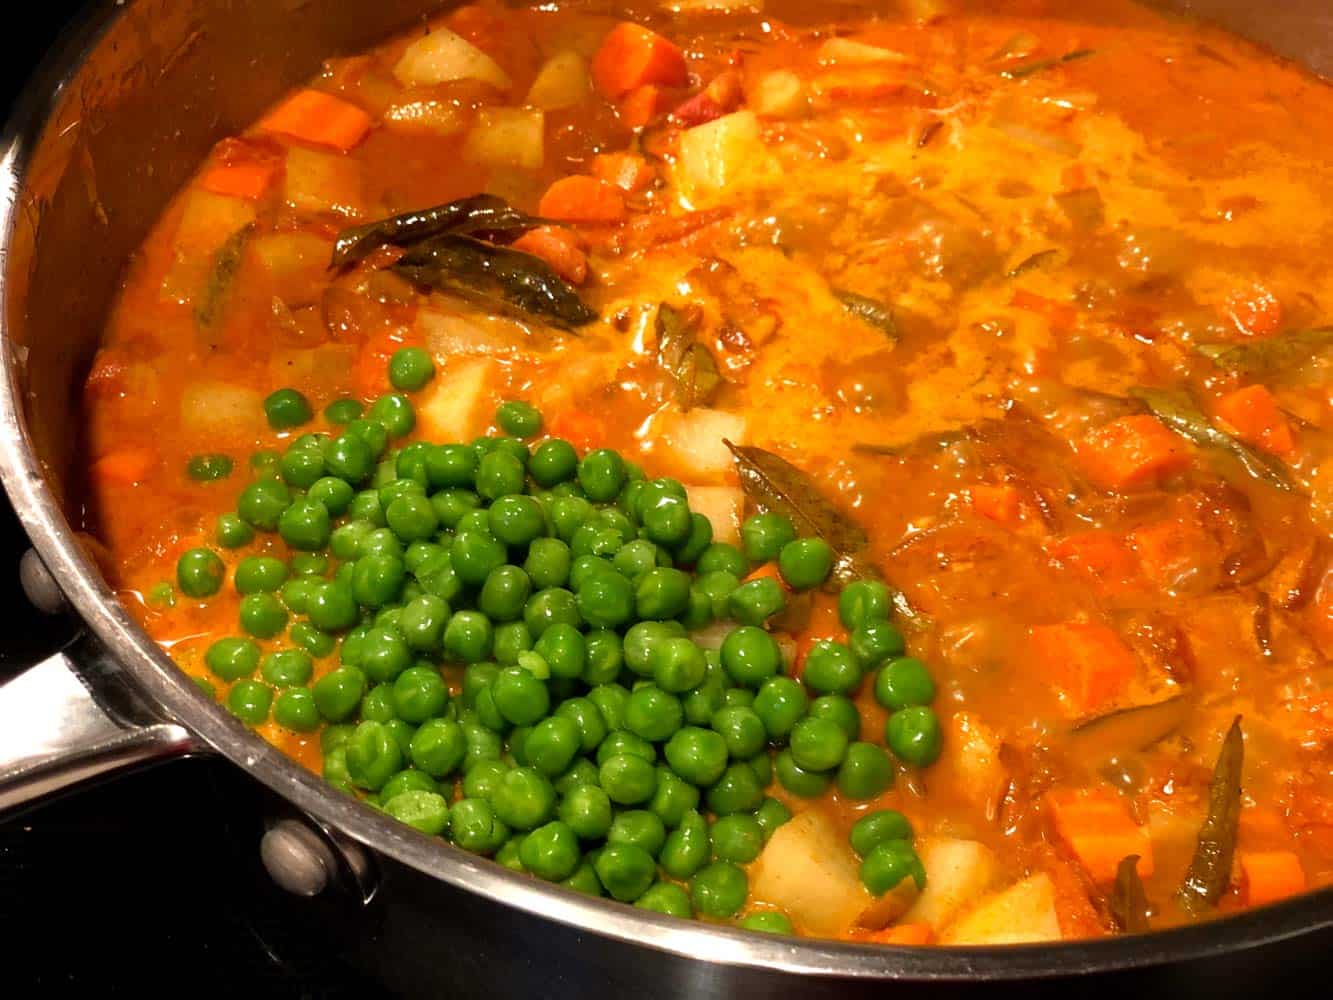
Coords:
72,718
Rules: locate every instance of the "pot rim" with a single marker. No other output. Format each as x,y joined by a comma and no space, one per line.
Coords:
172,692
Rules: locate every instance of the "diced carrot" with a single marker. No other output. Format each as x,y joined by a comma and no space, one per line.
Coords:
1059,315
1074,177
1088,664
632,56
1131,452
1267,876
768,570
1097,827
641,106
1255,310
1254,414
559,248
626,171
903,934
1100,554
580,428
998,503
1260,825
126,467
249,180
823,623
320,119
582,199
1168,549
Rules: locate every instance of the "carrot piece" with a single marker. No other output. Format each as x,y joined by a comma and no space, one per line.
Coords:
1254,414
1131,452
1169,549
126,467
249,180
1096,826
1100,554
903,934
1074,177
559,248
824,623
997,503
632,56
582,199
580,428
625,170
318,118
1088,664
1267,876
641,106
1260,824
1059,315
767,570
1255,310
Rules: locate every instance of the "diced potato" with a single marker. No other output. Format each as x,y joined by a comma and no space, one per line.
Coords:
957,872
427,117
562,83
454,410
449,334
322,182
976,769
712,635
722,505
508,137
809,871
296,264
726,154
779,94
1022,914
694,441
442,56
207,221
221,413
847,52
312,367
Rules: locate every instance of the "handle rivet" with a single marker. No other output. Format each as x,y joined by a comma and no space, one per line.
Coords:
296,858
39,584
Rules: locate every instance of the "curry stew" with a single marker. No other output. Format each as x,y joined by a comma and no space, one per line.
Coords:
934,545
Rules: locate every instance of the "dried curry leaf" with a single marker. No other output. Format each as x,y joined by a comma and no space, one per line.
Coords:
1129,900
1210,869
1178,412
1037,65
869,311
478,214
1126,730
690,363
1039,259
1286,352
492,275
226,262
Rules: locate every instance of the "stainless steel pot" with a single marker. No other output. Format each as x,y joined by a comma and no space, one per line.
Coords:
109,128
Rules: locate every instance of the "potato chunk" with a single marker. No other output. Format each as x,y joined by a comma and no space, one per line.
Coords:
1022,914
811,873
957,873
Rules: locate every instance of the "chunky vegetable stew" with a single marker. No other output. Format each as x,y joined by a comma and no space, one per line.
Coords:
856,471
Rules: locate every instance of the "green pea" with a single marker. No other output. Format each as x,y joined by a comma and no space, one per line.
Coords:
372,433
482,743
704,701
342,411
653,714
262,615
208,468
913,734
697,755
678,665
839,710
524,798
259,574
568,514
750,656
876,827
805,562
780,703
349,457
604,657
508,854
452,468
199,572
548,563
549,607
742,731
581,772
313,640
408,780
764,535
554,461
628,779
865,772
719,889
309,564
904,682
475,556
231,532
520,697
482,778
639,827
332,607
622,741
666,897
770,815
504,594
687,847
601,474
510,639
888,863
768,922
830,668
738,790
875,641
373,756
249,701
469,637
427,812
394,413
474,827
419,693
522,420
754,602
551,851
662,593
338,693
232,658
412,518
699,538
796,779
610,699
261,504
674,797
722,557
863,601
553,744
295,710
410,369
737,838
626,871
301,465
587,810
667,521
377,704
499,474
584,880
286,408
606,600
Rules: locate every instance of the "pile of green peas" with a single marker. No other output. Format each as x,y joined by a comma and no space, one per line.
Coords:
590,740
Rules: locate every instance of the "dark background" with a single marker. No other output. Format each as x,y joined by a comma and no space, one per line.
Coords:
150,883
